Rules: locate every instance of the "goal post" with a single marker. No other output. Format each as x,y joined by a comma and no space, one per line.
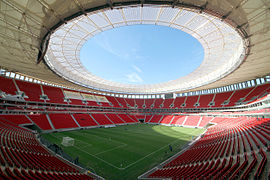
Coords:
68,141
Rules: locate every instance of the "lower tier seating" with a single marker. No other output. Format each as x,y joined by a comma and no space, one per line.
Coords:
116,119
85,120
60,121
16,119
127,118
22,157
102,119
41,121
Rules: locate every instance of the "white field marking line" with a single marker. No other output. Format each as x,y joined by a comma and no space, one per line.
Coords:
148,155
111,149
120,146
102,138
86,146
123,144
141,132
98,158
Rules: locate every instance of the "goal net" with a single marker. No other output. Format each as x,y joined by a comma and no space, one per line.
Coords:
67,141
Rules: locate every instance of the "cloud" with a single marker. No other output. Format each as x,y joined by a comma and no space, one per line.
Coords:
104,43
136,68
134,77
106,46
129,51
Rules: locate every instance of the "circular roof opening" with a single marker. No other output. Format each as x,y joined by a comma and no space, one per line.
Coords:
223,46
141,54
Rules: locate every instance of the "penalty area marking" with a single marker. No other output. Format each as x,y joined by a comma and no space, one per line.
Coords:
131,163
111,149
83,135
98,158
123,145
149,154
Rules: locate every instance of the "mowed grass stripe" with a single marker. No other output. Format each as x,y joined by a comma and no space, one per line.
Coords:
145,135
142,139
125,152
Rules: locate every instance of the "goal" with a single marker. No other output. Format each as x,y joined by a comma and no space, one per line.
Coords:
67,141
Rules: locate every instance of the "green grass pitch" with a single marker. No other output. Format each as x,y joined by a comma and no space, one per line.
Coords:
124,152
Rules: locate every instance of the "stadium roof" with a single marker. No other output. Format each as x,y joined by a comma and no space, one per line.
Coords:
223,46
26,27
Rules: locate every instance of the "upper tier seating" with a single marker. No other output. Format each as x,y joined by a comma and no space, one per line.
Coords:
191,101
178,102
237,95
77,100
167,103
7,85
54,94
220,98
158,103
105,104
31,90
34,92
204,100
92,102
130,102
257,92
139,103
113,100
122,102
149,103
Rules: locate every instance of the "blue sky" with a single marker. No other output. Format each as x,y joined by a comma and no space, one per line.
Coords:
142,54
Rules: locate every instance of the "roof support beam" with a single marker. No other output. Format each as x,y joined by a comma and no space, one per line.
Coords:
109,2
142,2
226,15
174,3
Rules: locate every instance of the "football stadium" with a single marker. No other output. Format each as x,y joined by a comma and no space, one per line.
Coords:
126,89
